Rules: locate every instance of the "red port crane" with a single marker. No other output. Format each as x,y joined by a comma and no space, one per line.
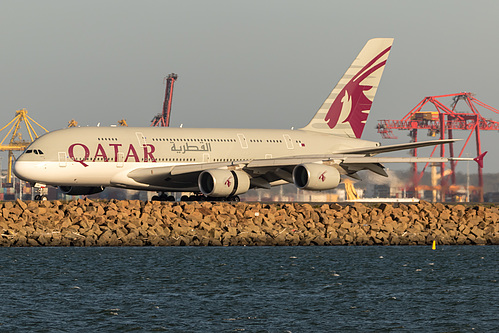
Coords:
163,119
440,121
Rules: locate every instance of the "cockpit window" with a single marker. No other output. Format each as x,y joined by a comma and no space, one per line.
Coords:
36,151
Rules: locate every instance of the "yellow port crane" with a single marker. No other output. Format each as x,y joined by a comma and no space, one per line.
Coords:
74,123
16,141
350,190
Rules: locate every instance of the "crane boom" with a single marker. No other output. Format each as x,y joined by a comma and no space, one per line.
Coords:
163,119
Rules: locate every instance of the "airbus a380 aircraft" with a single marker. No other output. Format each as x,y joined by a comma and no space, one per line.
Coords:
223,163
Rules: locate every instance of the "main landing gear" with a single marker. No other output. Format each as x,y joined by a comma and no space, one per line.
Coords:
195,197
200,197
163,197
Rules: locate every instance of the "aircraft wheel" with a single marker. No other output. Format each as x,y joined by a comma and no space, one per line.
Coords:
184,198
38,197
155,198
170,198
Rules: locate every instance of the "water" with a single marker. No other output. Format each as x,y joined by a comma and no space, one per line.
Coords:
250,289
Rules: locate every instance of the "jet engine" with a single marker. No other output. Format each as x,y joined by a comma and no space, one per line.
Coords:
223,183
316,177
80,190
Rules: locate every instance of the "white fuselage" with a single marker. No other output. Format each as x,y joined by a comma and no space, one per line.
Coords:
104,156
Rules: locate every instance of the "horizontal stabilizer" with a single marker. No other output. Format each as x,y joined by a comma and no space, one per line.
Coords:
479,159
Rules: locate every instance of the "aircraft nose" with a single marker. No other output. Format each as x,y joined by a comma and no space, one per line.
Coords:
23,170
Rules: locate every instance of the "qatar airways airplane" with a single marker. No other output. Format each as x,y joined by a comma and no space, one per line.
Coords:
220,164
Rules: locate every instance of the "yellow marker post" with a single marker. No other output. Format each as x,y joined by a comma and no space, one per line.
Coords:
434,245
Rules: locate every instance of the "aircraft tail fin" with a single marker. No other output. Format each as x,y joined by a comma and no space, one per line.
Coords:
347,107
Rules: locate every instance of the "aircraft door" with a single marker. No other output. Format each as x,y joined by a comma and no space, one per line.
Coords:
62,159
289,142
120,158
206,158
242,140
141,138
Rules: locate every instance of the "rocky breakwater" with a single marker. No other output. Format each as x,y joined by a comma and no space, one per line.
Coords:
137,223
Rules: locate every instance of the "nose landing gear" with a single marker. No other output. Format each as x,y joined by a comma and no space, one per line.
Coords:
41,192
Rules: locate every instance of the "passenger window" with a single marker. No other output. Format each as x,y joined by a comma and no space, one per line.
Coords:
29,151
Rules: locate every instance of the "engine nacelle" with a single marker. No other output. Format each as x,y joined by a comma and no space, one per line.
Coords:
223,183
80,190
316,177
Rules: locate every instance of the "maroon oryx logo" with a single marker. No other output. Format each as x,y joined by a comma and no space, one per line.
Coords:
228,181
350,103
322,177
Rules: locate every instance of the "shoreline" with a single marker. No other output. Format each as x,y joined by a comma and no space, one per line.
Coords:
86,222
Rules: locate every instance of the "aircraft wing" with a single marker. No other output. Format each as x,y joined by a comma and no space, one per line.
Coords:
266,172
402,146
348,163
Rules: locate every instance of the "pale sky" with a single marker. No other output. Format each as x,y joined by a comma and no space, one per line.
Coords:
255,64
